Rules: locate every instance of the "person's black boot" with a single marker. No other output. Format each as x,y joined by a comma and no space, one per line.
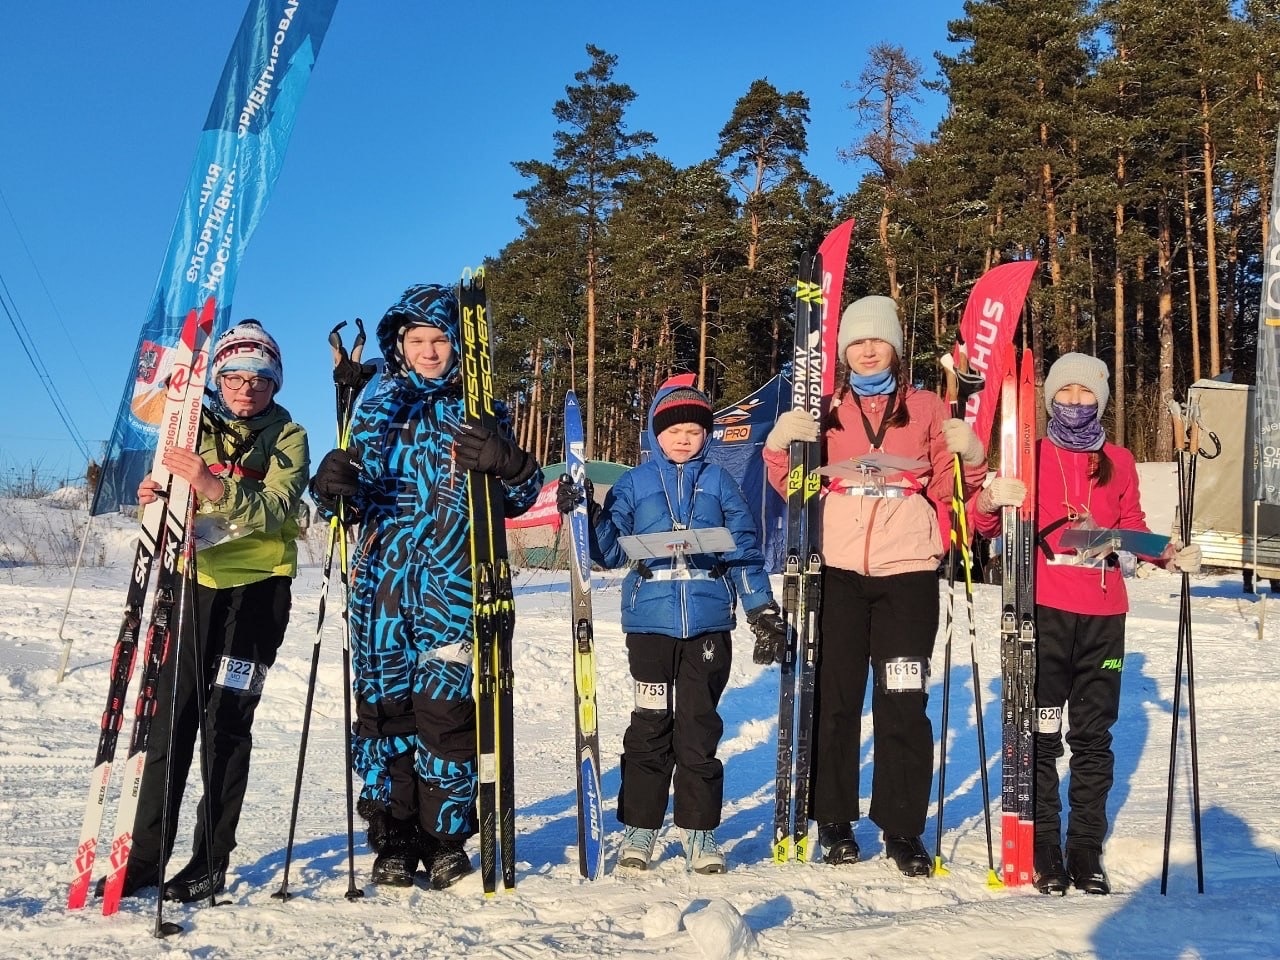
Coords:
1051,874
197,880
838,845
1084,864
909,854
450,862
138,875
397,853
379,822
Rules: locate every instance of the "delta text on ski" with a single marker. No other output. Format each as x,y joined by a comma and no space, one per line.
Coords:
262,89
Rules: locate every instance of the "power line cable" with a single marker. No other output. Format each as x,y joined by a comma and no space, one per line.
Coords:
57,314
42,373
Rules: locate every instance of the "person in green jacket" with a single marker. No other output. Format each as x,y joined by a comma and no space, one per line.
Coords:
248,479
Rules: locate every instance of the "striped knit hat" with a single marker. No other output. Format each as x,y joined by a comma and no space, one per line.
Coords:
682,405
247,348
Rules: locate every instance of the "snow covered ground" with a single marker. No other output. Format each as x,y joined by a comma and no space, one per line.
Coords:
48,732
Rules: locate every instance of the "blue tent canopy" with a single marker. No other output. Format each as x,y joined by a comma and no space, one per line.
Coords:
739,434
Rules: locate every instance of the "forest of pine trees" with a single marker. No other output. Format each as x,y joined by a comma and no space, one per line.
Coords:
1125,144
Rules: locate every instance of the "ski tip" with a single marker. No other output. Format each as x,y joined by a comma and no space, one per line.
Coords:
782,851
938,869
208,311
993,881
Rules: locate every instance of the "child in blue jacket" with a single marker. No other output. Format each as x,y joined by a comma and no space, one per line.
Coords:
678,624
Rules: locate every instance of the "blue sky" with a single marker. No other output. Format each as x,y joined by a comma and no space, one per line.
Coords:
101,102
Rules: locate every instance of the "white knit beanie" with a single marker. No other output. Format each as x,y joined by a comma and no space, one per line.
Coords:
871,318
247,348
1089,372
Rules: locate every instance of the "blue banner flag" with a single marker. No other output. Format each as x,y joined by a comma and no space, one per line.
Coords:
241,150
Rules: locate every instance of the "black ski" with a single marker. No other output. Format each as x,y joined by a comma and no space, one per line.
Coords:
493,606
801,581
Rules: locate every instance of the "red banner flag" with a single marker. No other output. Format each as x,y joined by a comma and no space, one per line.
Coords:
990,318
835,254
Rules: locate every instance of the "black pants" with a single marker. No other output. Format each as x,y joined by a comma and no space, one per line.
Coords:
1078,665
239,631
674,728
867,621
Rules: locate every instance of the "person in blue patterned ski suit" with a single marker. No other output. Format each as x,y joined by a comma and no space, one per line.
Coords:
404,480
678,618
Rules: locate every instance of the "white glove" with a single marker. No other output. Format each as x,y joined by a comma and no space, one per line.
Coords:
962,440
1184,559
1001,492
795,424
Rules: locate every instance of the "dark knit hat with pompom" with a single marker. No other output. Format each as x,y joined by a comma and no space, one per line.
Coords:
682,405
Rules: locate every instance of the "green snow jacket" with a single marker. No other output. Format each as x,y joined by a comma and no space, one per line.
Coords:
250,532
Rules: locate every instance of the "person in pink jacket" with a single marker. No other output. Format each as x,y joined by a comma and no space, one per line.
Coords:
1081,603
880,549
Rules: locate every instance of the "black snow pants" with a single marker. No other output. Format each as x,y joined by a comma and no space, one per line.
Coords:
1079,658
675,727
239,631
887,625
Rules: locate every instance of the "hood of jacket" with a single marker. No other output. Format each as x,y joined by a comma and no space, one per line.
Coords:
422,305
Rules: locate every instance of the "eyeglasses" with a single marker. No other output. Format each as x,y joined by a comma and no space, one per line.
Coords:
234,381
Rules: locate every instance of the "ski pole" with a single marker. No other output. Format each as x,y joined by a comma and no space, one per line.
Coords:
1187,437
163,929
961,384
345,393
353,892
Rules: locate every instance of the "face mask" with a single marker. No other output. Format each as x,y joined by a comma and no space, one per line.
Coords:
873,384
1075,426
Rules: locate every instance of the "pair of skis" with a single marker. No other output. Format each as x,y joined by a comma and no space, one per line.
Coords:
1018,624
493,605
801,580
165,530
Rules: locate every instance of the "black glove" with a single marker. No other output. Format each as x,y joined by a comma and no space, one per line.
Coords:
353,374
568,495
771,635
479,448
337,476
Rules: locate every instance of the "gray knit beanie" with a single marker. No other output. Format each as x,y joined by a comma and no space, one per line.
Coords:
871,318
1089,372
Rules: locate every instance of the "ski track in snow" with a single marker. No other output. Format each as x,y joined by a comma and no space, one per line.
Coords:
49,731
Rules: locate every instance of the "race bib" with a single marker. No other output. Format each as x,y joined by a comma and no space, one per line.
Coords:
242,676
904,675
651,696
1048,719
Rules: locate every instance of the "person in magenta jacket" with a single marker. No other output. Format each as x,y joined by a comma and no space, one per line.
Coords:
1081,603
880,548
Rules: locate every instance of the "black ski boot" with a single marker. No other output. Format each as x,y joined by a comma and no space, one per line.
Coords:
1051,875
197,880
450,862
909,854
1084,864
838,845
397,853
378,819
138,875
